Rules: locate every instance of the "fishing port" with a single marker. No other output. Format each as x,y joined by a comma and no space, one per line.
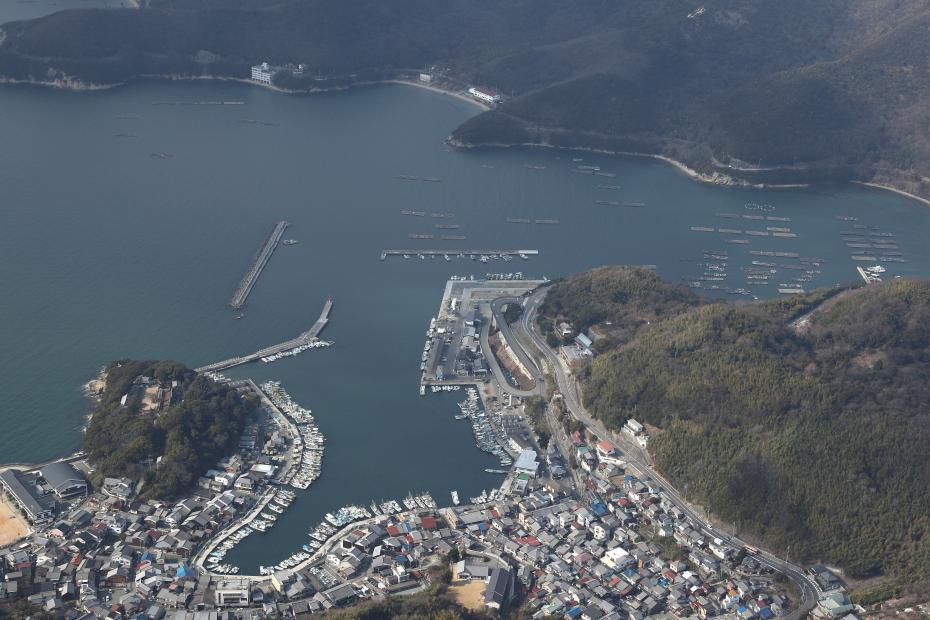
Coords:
251,276
307,450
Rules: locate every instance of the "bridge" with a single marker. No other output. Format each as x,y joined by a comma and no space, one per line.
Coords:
307,337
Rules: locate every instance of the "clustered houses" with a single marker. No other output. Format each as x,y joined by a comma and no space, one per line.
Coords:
618,549
597,559
119,558
114,557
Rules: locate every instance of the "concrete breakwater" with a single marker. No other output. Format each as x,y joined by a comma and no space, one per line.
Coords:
258,265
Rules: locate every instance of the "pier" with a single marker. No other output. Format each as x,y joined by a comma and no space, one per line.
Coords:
305,338
386,253
255,270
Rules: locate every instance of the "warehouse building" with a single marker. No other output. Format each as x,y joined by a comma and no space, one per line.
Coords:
24,491
64,480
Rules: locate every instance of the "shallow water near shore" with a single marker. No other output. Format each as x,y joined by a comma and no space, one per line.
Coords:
109,251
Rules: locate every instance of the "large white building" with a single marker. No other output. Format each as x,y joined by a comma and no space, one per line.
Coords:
232,593
263,73
485,94
526,463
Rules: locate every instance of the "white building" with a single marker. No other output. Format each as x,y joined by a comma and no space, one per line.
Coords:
426,78
263,73
485,94
232,593
526,462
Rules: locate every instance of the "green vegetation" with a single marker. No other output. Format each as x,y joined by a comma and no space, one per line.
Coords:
877,593
200,426
535,408
811,91
668,548
814,438
618,299
513,312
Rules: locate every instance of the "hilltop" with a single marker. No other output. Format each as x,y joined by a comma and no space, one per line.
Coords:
163,424
766,92
814,438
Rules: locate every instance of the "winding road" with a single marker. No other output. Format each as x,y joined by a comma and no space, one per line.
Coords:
631,451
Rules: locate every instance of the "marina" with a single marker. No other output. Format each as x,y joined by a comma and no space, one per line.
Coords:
258,265
487,438
307,450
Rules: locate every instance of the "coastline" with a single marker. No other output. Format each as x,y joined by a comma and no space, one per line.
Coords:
442,91
716,178
893,189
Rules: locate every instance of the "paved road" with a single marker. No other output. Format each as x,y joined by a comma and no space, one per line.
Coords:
497,309
635,455
496,369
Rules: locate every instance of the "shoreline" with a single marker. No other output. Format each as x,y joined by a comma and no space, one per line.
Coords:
889,188
441,91
717,178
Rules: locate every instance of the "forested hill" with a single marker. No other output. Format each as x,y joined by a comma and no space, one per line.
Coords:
815,436
187,420
834,89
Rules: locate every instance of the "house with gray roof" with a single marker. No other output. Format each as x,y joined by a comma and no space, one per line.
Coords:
64,480
22,488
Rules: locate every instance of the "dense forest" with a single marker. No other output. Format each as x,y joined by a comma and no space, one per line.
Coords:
201,425
811,435
804,91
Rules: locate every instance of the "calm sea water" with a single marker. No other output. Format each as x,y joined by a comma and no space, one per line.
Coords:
108,252
11,10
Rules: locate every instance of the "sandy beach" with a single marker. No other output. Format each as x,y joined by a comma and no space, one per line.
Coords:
441,91
895,190
12,525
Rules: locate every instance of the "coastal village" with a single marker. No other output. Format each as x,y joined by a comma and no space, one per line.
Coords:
605,542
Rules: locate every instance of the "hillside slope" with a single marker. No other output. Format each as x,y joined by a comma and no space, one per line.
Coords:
816,440
201,423
804,91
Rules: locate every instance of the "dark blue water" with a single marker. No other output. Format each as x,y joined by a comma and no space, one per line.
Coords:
107,252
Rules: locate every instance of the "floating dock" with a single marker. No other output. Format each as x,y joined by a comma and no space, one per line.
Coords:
255,270
386,253
305,338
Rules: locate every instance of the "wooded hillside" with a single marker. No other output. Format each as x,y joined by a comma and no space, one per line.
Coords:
834,89
201,425
815,438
